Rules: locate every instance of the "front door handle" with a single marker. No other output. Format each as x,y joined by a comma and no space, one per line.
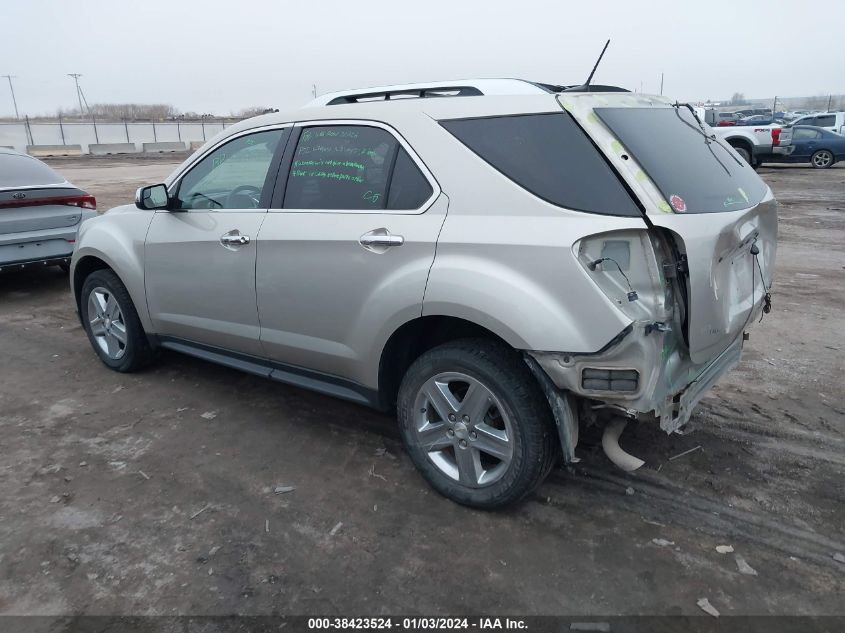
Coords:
233,239
380,240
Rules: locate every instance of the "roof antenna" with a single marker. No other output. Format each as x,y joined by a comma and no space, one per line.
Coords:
598,61
585,87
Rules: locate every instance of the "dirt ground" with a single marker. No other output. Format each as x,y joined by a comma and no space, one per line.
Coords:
153,493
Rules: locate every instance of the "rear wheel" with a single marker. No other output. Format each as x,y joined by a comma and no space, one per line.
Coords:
744,153
822,159
476,424
112,323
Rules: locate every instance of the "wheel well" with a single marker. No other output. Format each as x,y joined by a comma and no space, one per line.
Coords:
412,340
85,267
743,143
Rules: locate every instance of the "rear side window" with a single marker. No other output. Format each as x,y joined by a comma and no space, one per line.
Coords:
353,167
804,133
551,157
17,170
825,121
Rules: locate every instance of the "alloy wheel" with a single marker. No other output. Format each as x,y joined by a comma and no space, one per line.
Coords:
106,321
822,158
463,428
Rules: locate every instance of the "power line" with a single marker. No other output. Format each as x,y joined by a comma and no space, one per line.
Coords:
12,88
76,77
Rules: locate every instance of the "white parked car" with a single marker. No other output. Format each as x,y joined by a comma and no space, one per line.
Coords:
830,121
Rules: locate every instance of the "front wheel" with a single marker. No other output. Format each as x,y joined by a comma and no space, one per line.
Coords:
112,324
476,424
822,159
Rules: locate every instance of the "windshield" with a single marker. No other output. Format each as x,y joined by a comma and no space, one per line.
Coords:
696,173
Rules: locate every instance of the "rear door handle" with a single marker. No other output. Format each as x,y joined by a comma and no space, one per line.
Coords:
380,239
233,239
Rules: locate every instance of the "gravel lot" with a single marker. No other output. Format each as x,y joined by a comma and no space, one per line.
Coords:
153,493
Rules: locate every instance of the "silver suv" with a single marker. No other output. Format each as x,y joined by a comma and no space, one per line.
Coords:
499,261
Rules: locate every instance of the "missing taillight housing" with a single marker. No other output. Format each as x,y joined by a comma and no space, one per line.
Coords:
82,201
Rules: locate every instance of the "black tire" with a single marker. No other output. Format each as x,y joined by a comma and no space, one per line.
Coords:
745,154
534,437
822,159
136,351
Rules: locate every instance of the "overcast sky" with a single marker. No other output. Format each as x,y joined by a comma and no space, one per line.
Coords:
216,56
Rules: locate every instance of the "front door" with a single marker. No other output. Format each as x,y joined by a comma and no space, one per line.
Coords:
344,261
200,255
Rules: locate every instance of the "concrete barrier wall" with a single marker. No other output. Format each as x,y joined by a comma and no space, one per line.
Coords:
18,136
164,146
100,149
54,150
195,145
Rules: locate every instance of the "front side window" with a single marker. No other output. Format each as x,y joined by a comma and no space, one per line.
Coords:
551,157
232,176
353,167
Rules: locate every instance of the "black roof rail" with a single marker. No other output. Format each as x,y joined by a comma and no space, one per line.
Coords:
594,88
418,93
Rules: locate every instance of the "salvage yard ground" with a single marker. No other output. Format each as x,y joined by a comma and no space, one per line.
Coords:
155,493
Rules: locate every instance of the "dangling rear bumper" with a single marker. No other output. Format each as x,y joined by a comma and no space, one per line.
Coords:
643,375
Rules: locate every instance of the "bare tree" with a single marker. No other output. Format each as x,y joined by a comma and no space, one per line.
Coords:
246,113
157,111
738,99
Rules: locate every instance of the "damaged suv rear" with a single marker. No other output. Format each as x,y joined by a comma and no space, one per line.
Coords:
690,281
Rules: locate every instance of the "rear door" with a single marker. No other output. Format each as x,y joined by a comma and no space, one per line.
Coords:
805,141
199,259
344,255
716,208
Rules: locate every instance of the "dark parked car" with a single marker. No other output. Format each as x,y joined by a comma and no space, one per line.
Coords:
816,146
40,212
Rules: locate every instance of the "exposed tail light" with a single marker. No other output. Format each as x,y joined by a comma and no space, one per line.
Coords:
775,136
83,201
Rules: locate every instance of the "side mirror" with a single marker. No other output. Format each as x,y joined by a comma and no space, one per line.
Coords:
152,197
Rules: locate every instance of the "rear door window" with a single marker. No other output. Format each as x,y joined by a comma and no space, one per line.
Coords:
828,120
695,172
804,133
409,188
550,156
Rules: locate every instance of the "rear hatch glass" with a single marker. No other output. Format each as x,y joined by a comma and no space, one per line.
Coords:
17,170
694,172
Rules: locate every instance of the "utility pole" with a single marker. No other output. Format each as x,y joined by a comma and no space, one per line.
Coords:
76,77
661,84
774,106
313,91
829,97
12,88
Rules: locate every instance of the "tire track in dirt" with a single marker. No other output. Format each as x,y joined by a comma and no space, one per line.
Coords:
667,502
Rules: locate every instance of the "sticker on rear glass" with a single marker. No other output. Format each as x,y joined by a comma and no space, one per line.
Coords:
678,203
